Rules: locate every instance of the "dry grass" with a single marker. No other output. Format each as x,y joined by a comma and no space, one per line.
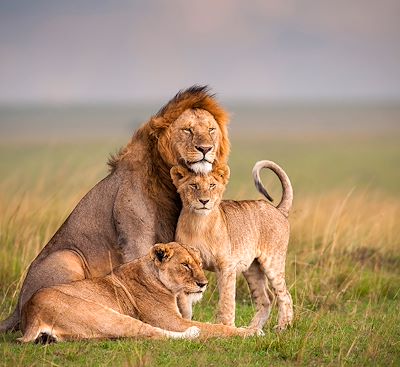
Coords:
343,268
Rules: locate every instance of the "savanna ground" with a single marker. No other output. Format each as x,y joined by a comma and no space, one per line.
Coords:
343,265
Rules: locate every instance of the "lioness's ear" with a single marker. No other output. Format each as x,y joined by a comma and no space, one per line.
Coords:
161,253
178,173
222,173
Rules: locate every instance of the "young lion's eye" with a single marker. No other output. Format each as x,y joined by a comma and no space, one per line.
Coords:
186,266
188,130
194,186
212,186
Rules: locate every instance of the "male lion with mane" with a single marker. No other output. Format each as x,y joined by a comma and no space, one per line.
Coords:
138,299
136,205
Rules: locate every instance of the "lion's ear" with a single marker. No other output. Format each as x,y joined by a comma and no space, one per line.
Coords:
157,125
161,253
178,173
222,173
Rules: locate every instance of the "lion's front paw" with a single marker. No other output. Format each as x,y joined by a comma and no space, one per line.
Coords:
281,327
252,332
192,332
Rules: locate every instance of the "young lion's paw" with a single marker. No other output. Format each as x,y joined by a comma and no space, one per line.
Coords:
281,328
192,332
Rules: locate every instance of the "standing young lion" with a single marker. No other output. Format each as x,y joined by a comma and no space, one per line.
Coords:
136,205
249,236
137,299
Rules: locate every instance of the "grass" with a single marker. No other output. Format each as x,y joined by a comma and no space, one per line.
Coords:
343,265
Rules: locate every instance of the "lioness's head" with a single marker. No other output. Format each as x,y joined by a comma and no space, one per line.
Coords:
191,130
200,193
179,268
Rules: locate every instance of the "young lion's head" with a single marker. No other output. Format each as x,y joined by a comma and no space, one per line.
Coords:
191,129
200,193
179,268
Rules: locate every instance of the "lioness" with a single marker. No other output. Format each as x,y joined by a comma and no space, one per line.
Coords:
125,303
136,205
248,236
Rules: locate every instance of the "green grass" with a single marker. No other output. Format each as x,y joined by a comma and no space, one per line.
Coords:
343,266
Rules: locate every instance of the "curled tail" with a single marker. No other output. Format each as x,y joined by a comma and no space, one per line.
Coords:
287,191
10,323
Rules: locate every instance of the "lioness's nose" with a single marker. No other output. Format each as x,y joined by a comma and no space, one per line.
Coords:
203,149
201,284
204,202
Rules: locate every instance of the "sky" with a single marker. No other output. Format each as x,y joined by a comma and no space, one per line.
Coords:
54,51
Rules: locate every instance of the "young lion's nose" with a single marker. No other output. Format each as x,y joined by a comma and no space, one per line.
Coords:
201,284
204,202
203,149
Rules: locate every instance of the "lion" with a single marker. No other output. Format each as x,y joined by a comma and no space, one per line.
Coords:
249,237
136,205
138,299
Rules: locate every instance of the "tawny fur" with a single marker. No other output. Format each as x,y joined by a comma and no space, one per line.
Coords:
136,205
249,237
137,299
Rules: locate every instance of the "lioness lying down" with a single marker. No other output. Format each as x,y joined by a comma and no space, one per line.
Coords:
138,299
249,236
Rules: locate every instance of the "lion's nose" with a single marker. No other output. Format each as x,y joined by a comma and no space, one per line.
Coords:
204,202
203,149
201,284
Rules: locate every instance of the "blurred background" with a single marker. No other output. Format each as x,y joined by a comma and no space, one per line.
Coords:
291,73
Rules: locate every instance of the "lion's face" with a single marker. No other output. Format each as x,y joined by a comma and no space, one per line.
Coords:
194,139
179,268
200,193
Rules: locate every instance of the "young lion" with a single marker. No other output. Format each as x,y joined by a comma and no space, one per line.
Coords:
137,300
249,236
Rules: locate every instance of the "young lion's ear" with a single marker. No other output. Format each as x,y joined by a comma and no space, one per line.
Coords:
161,253
178,173
222,173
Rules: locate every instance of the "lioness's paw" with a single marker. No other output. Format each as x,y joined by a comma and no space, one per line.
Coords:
192,332
252,332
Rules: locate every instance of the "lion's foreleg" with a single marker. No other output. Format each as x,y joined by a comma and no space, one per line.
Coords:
227,295
123,326
207,330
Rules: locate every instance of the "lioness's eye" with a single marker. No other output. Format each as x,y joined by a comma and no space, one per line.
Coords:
186,266
212,186
194,186
211,130
188,130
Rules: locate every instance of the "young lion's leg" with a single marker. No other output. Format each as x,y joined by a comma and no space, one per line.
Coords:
275,272
185,305
227,295
257,282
